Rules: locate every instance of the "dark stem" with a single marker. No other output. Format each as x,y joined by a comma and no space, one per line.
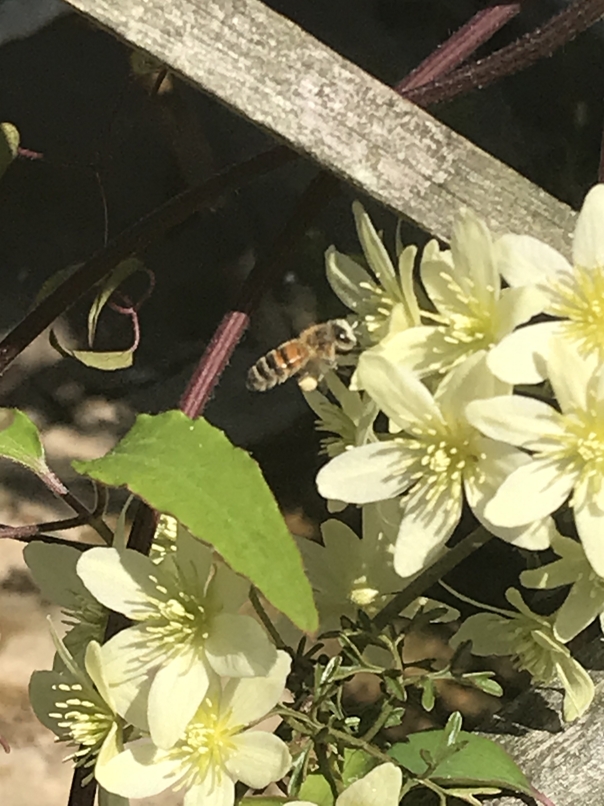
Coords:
526,50
131,240
459,46
479,537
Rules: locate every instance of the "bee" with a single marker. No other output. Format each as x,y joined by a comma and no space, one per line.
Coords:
310,356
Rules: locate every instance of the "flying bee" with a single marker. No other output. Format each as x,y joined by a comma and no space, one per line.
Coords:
310,356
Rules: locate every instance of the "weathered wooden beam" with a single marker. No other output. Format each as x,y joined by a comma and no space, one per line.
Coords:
272,72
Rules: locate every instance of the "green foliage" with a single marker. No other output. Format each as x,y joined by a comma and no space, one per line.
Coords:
9,143
20,441
108,361
189,469
316,788
457,758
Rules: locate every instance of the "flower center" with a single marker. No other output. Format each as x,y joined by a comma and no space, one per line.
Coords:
207,743
83,719
472,325
442,458
175,620
578,297
531,655
582,446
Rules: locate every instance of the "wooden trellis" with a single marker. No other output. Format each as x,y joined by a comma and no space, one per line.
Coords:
273,73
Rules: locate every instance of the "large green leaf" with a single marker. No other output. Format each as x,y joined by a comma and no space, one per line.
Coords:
20,441
9,143
189,469
478,761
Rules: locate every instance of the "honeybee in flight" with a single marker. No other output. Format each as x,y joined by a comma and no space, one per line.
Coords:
310,356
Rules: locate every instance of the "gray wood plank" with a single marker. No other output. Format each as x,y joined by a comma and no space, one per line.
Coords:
269,70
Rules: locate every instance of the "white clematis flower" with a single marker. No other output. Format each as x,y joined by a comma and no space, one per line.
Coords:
215,749
530,639
435,458
380,787
574,294
568,449
186,628
585,600
76,704
386,303
473,312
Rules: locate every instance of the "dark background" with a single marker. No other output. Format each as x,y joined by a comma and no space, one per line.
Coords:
70,90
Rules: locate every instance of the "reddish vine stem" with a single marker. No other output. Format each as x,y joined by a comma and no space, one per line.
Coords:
538,44
133,239
460,45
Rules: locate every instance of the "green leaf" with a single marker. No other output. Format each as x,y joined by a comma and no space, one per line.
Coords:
189,469
121,272
316,788
483,681
20,441
478,762
54,281
108,361
9,143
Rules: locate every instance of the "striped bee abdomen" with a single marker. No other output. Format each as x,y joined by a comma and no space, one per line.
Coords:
277,366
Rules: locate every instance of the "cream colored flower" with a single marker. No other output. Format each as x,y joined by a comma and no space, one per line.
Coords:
473,311
530,639
186,628
215,750
573,294
385,303
567,446
435,459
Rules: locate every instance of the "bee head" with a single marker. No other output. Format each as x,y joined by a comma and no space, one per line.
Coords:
344,336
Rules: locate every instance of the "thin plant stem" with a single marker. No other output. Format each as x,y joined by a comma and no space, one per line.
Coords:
263,616
133,239
522,53
431,575
460,45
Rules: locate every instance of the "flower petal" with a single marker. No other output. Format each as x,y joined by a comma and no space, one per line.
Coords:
425,528
521,356
126,672
213,790
259,758
375,251
569,374
397,391
521,421
349,281
582,605
490,634
588,244
121,580
516,306
176,693
139,771
524,260
365,474
530,493
250,698
589,519
578,687
237,646
380,787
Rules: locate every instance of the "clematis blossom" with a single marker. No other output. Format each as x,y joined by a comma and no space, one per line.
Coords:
186,628
572,294
567,446
473,311
380,787
215,750
434,459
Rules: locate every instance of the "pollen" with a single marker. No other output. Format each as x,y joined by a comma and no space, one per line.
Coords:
207,743
578,297
582,447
